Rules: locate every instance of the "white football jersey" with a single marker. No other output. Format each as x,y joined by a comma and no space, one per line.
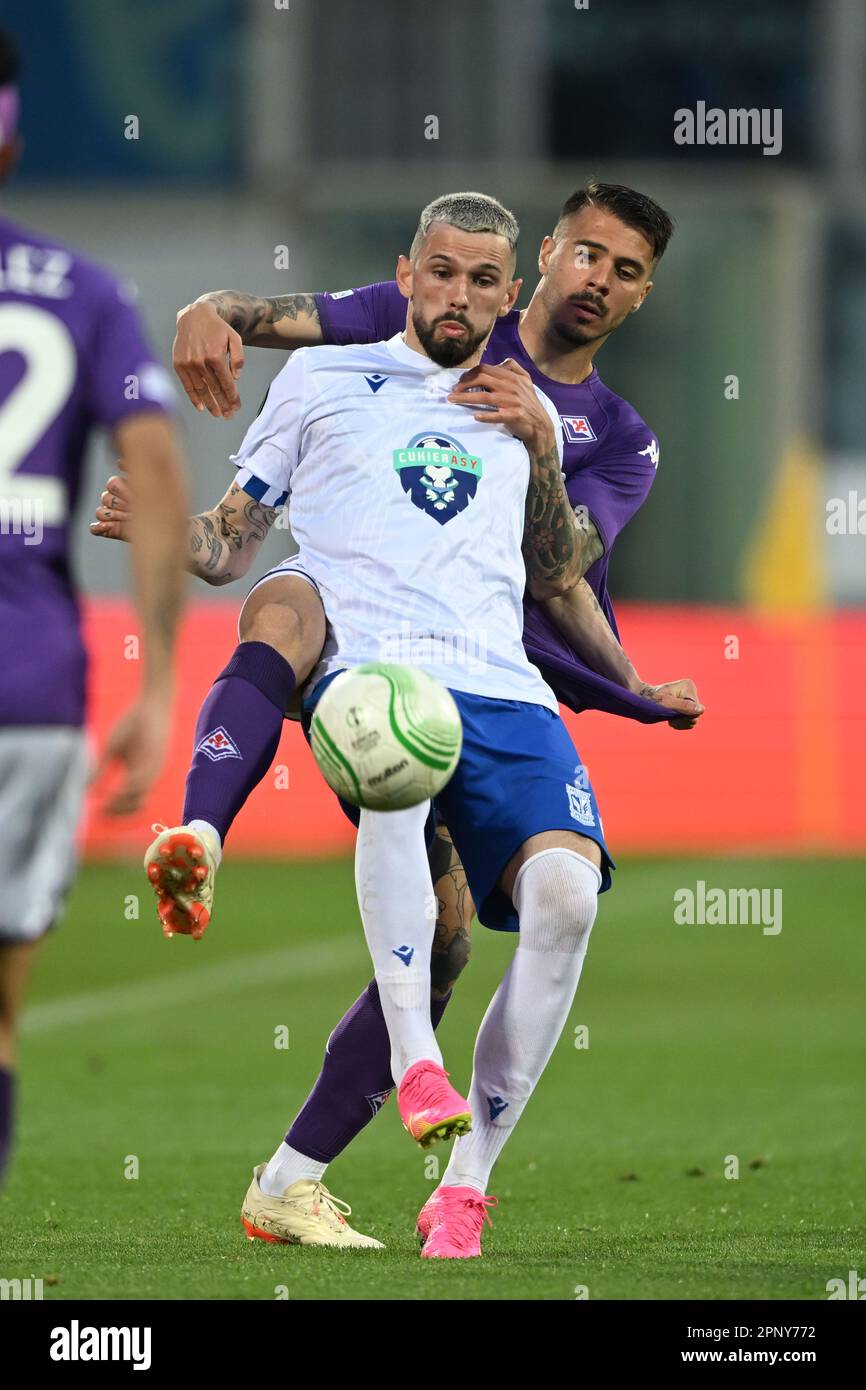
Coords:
408,513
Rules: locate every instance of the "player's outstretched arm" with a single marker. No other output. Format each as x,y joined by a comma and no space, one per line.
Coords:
220,544
208,352
156,477
581,620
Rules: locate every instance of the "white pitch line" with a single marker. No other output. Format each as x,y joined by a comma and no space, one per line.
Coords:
226,977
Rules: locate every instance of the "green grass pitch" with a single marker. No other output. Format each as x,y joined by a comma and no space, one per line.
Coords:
705,1043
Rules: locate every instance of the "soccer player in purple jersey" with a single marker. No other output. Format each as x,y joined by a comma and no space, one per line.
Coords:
347,1092
72,357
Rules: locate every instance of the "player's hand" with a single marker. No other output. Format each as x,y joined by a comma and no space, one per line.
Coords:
679,696
138,742
112,514
208,356
510,399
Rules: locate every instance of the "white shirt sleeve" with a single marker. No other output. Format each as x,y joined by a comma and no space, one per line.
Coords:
271,447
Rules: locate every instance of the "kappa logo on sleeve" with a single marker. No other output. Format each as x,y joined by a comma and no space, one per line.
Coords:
577,429
651,452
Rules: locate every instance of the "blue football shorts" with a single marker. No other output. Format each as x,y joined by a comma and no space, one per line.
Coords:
519,774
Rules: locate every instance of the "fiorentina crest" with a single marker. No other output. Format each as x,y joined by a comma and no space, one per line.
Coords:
218,744
438,474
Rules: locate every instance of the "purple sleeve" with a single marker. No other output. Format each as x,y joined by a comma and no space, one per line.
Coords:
366,315
123,376
616,485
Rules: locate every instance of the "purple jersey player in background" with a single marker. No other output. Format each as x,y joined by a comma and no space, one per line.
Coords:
595,269
72,357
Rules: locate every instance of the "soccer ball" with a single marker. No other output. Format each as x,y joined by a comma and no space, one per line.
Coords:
386,737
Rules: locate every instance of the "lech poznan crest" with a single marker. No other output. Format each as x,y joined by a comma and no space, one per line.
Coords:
439,475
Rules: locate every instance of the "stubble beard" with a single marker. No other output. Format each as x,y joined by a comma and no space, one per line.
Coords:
446,352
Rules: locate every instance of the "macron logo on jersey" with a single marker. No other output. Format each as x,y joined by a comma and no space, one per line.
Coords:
218,744
577,429
375,381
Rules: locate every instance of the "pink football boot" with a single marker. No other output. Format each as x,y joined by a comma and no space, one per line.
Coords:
430,1108
451,1222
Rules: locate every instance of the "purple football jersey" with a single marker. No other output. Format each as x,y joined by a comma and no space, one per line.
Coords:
609,460
72,356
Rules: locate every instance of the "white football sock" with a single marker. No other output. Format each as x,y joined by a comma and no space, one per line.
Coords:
556,897
288,1165
398,909
204,827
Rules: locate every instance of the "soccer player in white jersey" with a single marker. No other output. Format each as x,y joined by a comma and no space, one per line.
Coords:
379,553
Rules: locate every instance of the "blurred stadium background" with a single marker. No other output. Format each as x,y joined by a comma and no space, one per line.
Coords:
305,125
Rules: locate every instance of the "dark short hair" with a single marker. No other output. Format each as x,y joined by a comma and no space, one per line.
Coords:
9,63
634,209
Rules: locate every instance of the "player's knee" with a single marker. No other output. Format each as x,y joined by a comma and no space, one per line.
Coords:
283,629
556,896
447,966
274,623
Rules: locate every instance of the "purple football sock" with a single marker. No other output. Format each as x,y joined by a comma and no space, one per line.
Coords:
237,733
355,1080
7,1095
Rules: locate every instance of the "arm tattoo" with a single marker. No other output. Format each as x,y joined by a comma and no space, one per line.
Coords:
238,522
203,537
594,603
592,547
551,548
250,315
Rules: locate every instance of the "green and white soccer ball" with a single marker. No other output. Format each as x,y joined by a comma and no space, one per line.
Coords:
386,737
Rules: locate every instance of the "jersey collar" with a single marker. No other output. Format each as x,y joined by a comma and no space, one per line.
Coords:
420,361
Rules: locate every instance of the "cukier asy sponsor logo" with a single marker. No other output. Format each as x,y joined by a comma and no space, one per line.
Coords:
440,476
